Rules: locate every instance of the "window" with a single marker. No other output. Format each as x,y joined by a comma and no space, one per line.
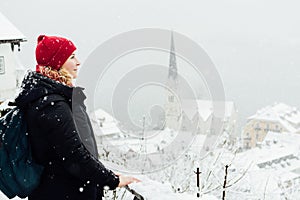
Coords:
247,145
267,128
2,65
171,98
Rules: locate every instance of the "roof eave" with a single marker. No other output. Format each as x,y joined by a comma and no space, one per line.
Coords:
13,41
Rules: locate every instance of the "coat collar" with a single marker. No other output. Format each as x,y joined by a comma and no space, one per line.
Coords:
35,86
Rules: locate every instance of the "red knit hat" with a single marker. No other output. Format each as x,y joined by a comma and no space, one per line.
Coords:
53,51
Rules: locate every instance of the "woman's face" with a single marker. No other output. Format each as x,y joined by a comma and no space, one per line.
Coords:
71,65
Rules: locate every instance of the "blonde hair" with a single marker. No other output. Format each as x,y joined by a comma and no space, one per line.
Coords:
60,75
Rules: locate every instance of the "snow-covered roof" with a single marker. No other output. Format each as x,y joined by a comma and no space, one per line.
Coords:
287,116
283,138
8,31
271,164
109,131
278,151
108,123
274,156
100,113
267,182
205,108
278,111
156,140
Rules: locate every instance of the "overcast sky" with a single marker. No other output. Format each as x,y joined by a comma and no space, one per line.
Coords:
255,44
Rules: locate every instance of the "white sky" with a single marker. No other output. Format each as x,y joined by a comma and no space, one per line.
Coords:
255,44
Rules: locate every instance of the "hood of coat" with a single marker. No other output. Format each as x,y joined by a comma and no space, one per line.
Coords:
35,85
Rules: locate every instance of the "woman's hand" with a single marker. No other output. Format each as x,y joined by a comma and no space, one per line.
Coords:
125,180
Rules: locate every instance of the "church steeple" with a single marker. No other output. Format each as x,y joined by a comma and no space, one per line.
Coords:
172,62
172,107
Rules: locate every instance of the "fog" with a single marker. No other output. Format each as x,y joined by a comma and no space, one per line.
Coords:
254,44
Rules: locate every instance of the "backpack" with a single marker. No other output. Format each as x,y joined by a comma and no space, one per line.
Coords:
19,175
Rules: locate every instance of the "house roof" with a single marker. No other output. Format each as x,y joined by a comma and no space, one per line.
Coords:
274,162
8,32
287,116
109,124
205,108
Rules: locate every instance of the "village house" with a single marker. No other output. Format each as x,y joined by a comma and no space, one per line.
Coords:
278,117
11,71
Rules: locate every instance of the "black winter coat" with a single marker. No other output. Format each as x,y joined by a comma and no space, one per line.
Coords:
62,140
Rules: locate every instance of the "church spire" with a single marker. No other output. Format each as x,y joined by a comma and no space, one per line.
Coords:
172,63
172,108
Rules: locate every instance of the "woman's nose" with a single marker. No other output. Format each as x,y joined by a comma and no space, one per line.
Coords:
77,62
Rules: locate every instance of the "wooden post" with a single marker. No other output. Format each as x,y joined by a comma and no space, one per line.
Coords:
225,181
198,181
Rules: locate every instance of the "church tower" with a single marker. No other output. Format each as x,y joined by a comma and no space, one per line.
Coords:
172,107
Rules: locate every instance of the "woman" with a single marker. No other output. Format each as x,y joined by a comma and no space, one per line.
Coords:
60,131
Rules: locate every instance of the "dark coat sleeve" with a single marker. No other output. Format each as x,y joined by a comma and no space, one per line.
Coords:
58,123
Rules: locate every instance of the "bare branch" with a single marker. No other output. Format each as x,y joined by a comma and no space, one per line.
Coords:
266,187
243,174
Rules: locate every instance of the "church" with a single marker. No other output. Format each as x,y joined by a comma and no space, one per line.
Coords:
184,114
